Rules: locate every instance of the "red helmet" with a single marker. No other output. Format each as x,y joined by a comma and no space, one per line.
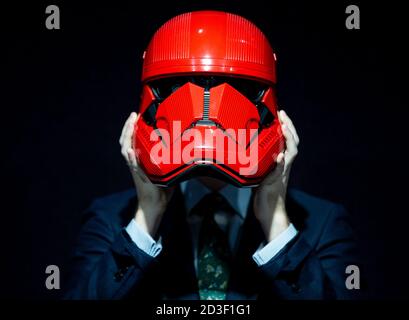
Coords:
208,103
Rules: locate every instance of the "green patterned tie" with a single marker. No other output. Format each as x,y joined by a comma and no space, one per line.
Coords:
214,254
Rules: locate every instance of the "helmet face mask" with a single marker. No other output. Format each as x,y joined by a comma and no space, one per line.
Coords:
214,116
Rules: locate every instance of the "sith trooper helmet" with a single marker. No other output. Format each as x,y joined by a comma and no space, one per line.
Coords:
208,103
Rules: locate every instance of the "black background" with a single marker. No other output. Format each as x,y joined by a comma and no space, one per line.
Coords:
67,92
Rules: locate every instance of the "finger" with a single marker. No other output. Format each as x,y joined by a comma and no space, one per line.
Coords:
287,121
132,158
133,165
280,163
280,116
121,138
278,170
280,158
291,150
127,136
123,129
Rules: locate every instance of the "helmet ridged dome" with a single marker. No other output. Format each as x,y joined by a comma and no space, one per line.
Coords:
209,42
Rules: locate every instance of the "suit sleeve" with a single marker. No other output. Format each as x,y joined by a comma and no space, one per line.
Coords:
106,263
302,272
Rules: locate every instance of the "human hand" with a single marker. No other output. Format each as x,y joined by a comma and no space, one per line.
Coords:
152,200
269,199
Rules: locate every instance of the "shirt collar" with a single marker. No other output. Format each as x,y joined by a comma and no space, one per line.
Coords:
193,191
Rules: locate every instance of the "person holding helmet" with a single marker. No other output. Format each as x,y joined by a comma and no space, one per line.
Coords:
210,154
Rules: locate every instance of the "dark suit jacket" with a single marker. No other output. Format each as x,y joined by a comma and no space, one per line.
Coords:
108,265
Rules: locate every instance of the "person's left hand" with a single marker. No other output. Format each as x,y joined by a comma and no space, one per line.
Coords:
269,199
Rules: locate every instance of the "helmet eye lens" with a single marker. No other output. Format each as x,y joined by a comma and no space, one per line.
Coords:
252,90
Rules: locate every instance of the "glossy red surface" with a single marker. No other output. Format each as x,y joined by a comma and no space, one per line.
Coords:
209,42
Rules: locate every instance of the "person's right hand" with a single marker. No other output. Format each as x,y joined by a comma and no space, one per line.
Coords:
152,200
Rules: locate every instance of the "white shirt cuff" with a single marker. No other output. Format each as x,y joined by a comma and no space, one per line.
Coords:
267,252
143,240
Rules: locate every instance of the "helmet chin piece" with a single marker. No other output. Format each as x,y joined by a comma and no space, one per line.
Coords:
220,121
